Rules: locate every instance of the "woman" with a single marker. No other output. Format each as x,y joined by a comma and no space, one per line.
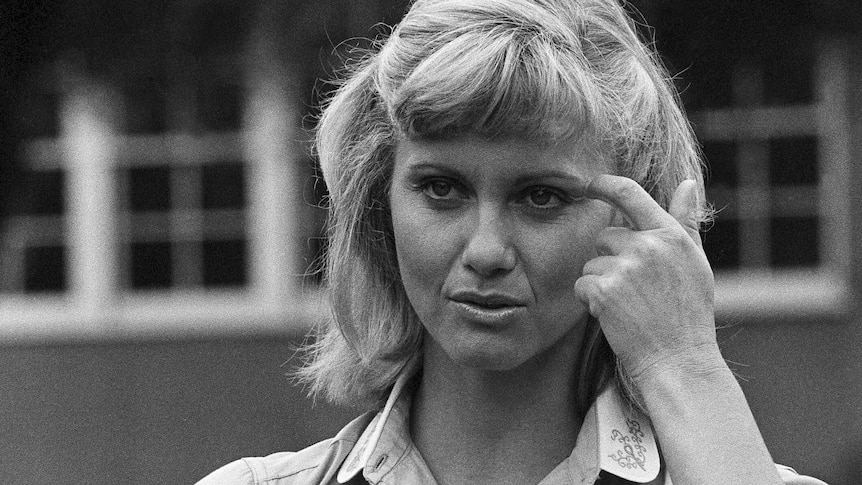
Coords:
515,270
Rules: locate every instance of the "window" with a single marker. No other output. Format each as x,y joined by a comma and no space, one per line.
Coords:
182,225
151,209
779,244
170,172
184,221
34,261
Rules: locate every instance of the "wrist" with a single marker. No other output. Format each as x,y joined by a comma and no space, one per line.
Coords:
691,370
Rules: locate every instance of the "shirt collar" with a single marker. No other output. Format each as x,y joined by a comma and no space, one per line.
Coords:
368,454
624,439
614,437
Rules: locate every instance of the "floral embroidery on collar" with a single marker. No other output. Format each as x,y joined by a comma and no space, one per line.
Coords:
627,446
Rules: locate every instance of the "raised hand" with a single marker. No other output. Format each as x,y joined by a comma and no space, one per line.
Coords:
651,286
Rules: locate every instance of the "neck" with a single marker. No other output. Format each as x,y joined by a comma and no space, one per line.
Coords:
479,426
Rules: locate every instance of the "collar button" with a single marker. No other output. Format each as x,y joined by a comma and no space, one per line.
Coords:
379,462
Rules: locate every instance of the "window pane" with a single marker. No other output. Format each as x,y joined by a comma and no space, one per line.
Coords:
39,114
721,243
793,161
219,106
721,163
794,241
145,110
44,269
40,193
788,77
149,189
151,264
225,263
224,186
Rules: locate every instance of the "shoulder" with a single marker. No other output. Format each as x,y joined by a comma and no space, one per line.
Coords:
790,477
319,463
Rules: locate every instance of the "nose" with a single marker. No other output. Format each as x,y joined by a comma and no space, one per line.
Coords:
488,250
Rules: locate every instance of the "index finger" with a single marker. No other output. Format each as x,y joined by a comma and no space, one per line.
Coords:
629,197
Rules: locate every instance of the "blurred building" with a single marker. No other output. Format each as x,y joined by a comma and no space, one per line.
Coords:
161,221
163,170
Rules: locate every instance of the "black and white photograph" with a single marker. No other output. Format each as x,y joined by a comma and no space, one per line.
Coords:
454,242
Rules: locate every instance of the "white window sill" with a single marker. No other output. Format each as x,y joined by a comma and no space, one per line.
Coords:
780,294
155,315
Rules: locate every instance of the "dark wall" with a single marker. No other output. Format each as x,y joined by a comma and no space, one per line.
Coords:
149,412
801,380
170,412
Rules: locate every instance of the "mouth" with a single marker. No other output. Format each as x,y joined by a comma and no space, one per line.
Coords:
488,309
491,301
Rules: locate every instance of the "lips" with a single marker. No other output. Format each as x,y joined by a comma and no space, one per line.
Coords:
494,309
488,300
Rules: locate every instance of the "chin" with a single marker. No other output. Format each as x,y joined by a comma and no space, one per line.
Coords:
493,358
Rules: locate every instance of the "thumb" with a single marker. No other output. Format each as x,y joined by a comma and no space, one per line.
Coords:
684,208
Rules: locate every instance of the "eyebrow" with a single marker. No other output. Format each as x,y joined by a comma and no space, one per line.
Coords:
580,181
422,166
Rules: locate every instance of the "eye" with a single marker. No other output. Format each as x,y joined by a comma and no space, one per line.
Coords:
438,189
543,198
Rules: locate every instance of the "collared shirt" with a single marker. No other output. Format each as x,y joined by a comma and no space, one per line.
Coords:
376,448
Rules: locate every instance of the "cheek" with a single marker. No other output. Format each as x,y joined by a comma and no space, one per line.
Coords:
561,263
411,250
419,247
559,258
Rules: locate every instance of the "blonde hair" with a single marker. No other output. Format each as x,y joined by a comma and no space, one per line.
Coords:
542,70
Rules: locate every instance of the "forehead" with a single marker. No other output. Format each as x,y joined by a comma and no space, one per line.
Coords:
515,156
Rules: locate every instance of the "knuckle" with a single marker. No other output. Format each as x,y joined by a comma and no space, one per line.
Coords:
629,266
650,244
603,245
625,188
593,290
604,290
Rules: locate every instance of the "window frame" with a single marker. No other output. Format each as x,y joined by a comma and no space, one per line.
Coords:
822,290
96,305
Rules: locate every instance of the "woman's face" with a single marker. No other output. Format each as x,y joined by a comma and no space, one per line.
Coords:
491,237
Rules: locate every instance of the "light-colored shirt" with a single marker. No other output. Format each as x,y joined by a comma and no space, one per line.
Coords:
377,447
